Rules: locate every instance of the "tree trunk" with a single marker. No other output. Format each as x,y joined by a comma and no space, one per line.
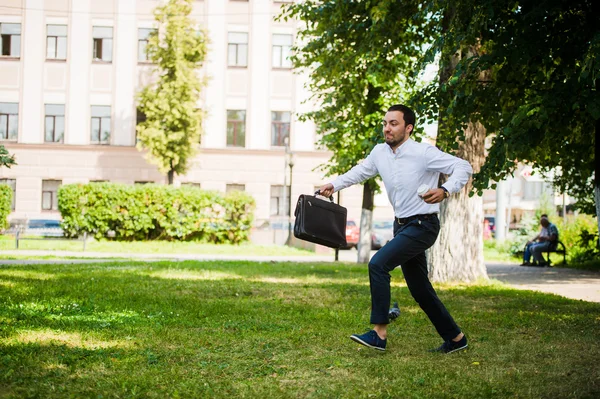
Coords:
597,174
366,220
457,254
170,175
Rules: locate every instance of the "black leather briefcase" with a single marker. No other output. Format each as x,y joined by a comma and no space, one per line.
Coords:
320,221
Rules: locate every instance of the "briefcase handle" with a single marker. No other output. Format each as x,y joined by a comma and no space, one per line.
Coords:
318,192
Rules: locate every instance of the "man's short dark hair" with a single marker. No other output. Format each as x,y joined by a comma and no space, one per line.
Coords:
409,114
544,215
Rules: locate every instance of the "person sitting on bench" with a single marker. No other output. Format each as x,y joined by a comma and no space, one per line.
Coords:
546,240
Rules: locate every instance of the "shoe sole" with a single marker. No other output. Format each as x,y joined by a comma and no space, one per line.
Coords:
360,341
458,349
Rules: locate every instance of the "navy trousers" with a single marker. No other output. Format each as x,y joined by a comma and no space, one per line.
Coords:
407,249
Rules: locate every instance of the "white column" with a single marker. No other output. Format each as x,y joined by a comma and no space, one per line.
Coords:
258,124
33,53
214,135
79,57
125,62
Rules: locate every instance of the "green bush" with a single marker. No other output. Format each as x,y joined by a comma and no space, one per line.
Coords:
154,212
5,204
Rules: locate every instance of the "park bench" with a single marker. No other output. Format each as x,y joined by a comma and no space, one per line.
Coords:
559,249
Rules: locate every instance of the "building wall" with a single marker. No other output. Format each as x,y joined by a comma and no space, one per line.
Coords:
79,82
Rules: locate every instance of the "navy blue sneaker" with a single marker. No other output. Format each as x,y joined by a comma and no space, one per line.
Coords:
451,346
370,339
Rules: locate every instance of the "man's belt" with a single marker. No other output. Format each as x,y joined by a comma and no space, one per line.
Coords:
427,216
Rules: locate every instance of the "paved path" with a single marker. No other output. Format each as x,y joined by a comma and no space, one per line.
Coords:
571,283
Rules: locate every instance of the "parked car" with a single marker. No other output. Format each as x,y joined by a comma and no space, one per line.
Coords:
383,232
352,234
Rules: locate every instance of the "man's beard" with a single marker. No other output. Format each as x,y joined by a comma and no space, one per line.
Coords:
394,142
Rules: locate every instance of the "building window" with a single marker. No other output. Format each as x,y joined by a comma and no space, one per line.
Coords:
282,51
55,123
191,184
100,124
103,40
280,127
50,194
143,37
9,121
12,183
235,187
278,207
237,50
10,40
56,42
236,128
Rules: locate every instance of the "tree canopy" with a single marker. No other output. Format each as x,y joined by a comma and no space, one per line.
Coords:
531,80
526,70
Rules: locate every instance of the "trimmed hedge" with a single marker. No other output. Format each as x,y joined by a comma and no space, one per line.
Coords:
155,212
6,195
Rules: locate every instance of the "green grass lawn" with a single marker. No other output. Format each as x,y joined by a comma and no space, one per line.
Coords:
152,247
271,330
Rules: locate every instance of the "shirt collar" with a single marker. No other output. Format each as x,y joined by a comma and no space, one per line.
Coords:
400,149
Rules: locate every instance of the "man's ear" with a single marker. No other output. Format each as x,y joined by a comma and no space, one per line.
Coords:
411,129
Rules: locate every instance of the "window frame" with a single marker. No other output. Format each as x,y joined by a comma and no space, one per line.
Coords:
100,40
100,124
279,197
56,39
53,196
144,39
8,115
46,116
236,63
236,123
281,60
10,38
278,125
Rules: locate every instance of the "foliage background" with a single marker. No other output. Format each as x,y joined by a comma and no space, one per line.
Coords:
5,204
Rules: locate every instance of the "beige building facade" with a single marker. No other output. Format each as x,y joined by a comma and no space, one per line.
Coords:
69,74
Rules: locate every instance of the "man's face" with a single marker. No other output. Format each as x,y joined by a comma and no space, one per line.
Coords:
544,222
395,130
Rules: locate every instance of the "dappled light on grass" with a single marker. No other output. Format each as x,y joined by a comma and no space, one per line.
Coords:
70,339
26,274
192,275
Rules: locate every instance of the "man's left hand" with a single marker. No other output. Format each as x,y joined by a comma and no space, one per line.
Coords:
434,196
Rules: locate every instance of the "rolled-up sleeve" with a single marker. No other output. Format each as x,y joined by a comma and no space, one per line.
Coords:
361,172
459,170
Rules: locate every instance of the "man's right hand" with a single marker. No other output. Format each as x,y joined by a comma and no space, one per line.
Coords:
326,190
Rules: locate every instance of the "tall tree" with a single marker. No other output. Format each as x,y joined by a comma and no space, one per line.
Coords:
172,129
360,57
539,99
